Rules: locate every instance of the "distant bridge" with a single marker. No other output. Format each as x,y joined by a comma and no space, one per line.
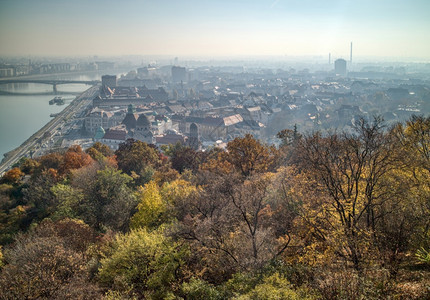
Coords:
52,82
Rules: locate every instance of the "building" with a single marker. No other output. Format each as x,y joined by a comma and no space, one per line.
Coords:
161,124
179,74
211,128
143,130
7,71
54,68
109,80
340,67
100,133
252,127
105,65
101,118
123,96
170,138
114,137
130,118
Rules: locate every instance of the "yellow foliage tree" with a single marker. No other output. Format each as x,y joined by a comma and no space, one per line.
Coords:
150,208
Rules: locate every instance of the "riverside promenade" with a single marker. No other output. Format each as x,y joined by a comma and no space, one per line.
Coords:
80,103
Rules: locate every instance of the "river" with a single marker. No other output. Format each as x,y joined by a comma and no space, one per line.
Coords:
21,116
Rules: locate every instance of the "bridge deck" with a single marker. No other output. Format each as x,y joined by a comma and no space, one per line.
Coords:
49,81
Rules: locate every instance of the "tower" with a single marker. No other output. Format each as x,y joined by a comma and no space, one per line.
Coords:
130,118
143,130
350,55
340,67
193,140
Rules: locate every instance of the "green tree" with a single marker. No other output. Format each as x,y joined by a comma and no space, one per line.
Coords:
143,263
273,287
38,194
68,200
99,150
108,200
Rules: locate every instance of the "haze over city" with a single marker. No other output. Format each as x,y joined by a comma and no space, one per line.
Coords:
396,28
224,149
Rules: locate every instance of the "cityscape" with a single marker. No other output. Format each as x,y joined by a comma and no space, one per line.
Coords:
159,104
230,149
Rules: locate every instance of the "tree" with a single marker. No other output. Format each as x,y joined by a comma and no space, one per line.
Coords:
99,149
12,214
289,137
273,287
68,199
13,176
349,170
28,165
182,158
137,158
230,222
74,158
46,261
38,194
108,199
143,263
150,208
249,156
49,161
413,142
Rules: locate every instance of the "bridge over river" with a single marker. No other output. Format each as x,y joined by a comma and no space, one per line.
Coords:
52,82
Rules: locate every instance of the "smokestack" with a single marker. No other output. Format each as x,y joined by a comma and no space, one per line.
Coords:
329,58
350,56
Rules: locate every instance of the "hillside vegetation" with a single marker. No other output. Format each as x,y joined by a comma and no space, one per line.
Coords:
324,216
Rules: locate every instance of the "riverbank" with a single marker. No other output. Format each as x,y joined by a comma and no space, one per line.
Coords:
43,135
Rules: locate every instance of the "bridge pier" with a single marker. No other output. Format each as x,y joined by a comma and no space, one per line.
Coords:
54,87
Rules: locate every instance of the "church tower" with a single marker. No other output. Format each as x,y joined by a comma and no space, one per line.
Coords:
143,130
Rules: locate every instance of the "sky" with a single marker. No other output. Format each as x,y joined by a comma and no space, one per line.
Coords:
379,28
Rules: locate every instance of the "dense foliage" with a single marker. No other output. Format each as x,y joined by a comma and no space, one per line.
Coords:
324,216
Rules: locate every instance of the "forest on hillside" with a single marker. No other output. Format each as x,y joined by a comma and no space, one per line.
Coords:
338,215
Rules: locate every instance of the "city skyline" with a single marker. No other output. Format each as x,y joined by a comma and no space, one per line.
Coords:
216,28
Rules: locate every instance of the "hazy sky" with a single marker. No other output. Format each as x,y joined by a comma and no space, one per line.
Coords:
395,28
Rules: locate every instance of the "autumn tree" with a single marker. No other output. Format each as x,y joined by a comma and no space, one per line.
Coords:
98,150
49,161
350,170
12,176
46,262
414,144
137,159
246,155
249,156
150,208
74,158
183,157
28,166
12,214
230,222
